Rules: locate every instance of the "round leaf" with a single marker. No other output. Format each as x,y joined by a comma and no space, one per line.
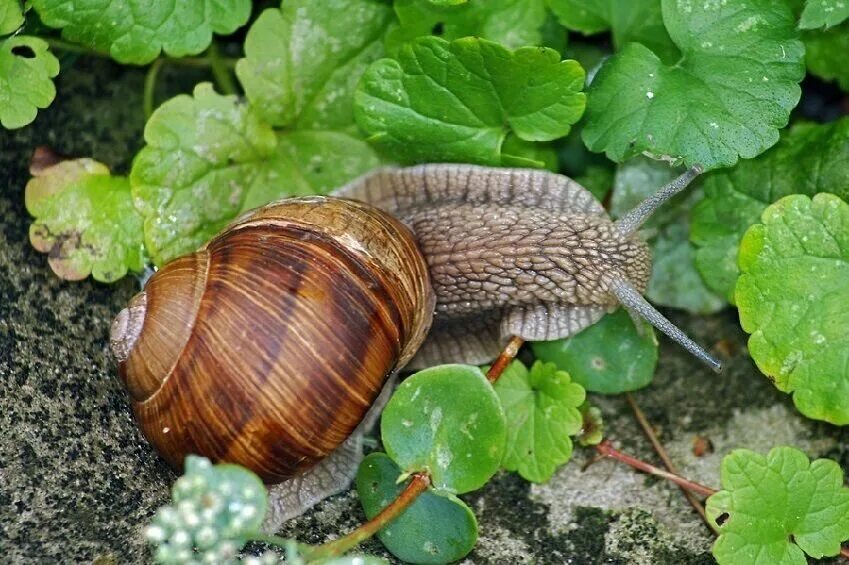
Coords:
714,105
457,101
541,406
778,506
793,298
823,13
611,356
26,67
436,528
134,31
446,421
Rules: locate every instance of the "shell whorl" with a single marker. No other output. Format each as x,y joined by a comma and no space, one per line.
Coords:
127,327
267,346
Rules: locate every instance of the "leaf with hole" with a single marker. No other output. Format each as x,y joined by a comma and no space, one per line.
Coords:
611,356
713,106
809,159
294,75
446,421
436,528
458,101
541,405
774,510
793,298
85,221
26,70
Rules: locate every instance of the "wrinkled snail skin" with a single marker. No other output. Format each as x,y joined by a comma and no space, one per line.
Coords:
268,346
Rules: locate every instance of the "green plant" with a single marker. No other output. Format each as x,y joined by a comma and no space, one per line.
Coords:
330,89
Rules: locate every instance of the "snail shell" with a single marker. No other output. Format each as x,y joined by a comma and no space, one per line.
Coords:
267,346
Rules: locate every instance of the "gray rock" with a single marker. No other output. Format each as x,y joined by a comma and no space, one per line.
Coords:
78,481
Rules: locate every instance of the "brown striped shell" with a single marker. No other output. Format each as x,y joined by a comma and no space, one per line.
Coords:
267,346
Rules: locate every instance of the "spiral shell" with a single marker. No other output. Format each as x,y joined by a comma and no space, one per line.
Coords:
267,346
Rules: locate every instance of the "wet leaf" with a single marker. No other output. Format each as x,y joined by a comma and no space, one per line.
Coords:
793,298
823,13
713,106
446,421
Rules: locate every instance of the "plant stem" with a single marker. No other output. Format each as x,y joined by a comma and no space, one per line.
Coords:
198,62
419,483
606,449
149,96
844,552
508,354
661,452
220,72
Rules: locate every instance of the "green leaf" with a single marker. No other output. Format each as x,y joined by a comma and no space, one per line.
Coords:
610,356
516,152
436,528
304,60
11,16
774,508
640,22
135,31
26,67
209,158
512,23
202,159
809,159
793,298
823,13
446,421
85,221
215,510
674,280
714,105
825,54
458,101
541,406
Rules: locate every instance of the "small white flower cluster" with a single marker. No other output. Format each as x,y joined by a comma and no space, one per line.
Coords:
212,516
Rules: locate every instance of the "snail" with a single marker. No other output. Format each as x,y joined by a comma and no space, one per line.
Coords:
268,346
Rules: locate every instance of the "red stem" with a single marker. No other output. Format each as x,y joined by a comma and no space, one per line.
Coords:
606,449
844,552
503,360
419,483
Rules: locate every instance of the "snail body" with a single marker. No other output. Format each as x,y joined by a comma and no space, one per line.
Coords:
268,345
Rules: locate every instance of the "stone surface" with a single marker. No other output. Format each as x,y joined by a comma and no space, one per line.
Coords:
77,480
